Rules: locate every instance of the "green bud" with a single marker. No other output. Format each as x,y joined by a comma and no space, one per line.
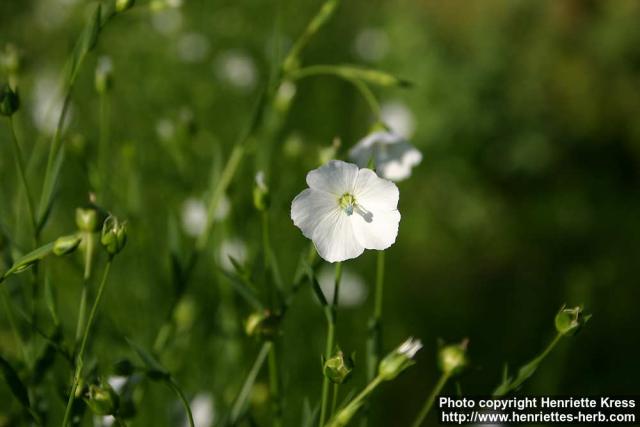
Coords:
338,368
570,320
114,235
261,199
263,324
90,217
452,359
399,359
102,399
184,314
9,101
104,75
122,5
66,244
284,95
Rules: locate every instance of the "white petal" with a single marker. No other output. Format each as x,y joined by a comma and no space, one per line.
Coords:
336,177
310,207
375,194
376,230
334,238
397,161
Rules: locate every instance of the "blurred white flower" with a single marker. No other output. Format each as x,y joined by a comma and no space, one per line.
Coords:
394,157
192,47
236,68
234,248
105,65
165,129
371,44
353,290
194,215
399,118
203,410
47,103
347,210
117,382
167,21
410,347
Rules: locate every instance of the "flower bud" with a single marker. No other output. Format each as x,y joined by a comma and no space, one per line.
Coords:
452,359
114,235
122,5
261,199
102,399
87,219
9,101
10,60
570,320
66,244
104,75
399,359
263,324
284,95
338,368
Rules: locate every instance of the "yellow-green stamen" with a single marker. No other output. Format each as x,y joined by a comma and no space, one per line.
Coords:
347,202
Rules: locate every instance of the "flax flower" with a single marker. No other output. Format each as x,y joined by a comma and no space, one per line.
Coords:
346,210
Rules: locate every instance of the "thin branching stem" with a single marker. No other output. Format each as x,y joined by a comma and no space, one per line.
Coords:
185,403
331,332
241,400
428,404
83,343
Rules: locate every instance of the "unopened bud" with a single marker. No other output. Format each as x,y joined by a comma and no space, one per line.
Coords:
114,235
122,5
104,74
102,399
570,320
66,244
9,101
338,368
87,219
263,324
452,359
261,199
399,359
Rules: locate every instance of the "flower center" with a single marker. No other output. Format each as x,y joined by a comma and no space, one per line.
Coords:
347,202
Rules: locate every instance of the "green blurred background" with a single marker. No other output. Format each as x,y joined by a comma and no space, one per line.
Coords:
527,198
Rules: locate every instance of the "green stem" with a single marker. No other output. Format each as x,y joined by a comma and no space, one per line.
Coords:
103,164
23,177
374,346
85,336
88,260
331,331
355,404
334,402
241,400
428,404
174,386
327,70
274,383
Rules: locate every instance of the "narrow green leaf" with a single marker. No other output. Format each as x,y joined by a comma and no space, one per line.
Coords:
50,299
29,259
317,290
86,43
352,72
15,384
46,198
243,286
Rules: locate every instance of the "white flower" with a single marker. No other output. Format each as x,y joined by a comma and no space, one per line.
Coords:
202,410
353,290
237,68
410,347
47,104
346,210
371,44
394,157
398,117
194,215
234,248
